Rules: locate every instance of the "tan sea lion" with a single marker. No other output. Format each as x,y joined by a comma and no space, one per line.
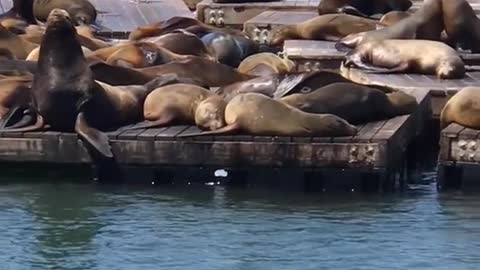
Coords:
17,45
361,7
81,11
463,108
426,23
183,43
461,24
353,102
393,17
16,26
15,91
201,70
257,114
264,64
182,104
330,27
418,56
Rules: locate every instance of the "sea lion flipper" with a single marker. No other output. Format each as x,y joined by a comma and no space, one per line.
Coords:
12,114
92,136
352,11
342,47
224,130
39,125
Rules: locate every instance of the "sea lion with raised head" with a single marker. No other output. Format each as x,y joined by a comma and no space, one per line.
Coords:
417,56
362,7
257,114
463,108
353,102
330,27
178,104
81,11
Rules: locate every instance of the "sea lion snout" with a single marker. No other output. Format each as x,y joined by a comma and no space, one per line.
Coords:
58,15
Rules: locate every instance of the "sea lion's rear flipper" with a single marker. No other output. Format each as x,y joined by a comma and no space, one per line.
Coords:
341,47
225,130
288,83
95,138
352,11
165,119
19,118
14,115
38,125
369,68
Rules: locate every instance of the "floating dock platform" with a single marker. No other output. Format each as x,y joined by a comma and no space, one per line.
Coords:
379,148
118,17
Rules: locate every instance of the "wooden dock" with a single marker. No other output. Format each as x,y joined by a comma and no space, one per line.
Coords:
235,15
379,148
440,90
119,17
459,158
259,27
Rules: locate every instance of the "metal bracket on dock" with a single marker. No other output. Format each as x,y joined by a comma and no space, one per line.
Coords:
465,150
215,16
364,154
311,66
261,35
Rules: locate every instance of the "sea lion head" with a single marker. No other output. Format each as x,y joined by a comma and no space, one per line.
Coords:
280,34
447,69
59,17
210,113
338,126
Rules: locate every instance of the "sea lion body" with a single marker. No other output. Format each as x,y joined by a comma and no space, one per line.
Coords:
182,43
463,108
394,17
18,46
257,114
254,63
229,49
362,7
330,27
419,56
14,91
353,102
461,24
81,11
33,55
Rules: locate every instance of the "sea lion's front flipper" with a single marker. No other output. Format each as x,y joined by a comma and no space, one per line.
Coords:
14,114
352,11
225,130
95,138
341,47
27,118
38,125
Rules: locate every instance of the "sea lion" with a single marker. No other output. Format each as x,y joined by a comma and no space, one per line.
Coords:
178,104
183,43
461,24
419,56
265,64
463,108
257,114
14,67
14,25
277,85
393,17
353,102
17,45
426,23
33,55
199,69
81,11
330,27
229,49
361,7
21,8
15,91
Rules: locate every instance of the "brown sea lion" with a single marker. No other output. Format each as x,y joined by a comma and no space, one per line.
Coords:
15,91
353,102
183,43
81,11
361,7
17,45
463,108
199,69
16,26
418,56
22,9
229,49
426,23
393,17
264,64
461,24
257,114
182,104
330,27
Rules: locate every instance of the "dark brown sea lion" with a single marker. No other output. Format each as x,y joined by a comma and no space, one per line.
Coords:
426,23
353,102
331,27
255,64
257,114
463,108
199,69
362,7
182,104
33,55
183,43
229,49
418,56
81,11
461,24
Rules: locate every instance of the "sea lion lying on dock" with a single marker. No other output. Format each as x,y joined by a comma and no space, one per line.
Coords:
462,24
353,102
229,49
417,56
362,8
257,114
463,108
81,11
265,64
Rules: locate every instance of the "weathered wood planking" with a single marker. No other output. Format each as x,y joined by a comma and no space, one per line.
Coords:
378,145
441,90
259,27
319,54
237,14
119,17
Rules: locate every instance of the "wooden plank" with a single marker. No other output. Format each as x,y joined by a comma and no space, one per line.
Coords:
171,132
453,130
150,134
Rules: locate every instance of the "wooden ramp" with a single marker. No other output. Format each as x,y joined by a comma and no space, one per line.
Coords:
440,90
119,17
236,15
459,159
259,28
379,147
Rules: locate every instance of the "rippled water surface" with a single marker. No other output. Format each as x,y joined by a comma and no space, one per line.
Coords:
87,226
